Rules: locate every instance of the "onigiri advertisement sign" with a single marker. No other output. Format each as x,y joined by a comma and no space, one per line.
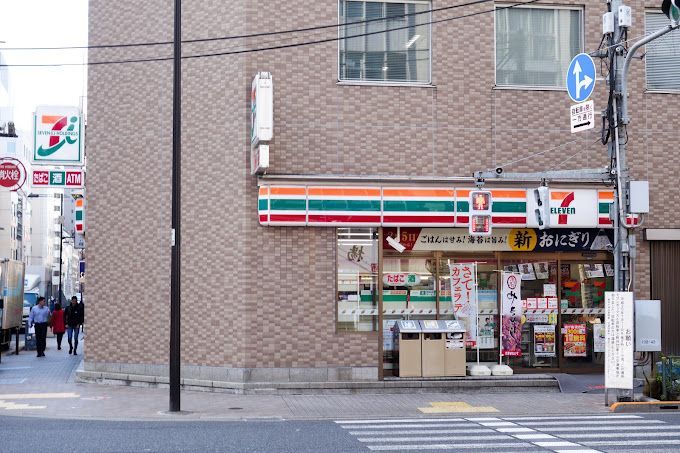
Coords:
511,329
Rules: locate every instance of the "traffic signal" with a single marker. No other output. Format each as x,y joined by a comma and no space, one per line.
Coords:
542,211
480,212
671,8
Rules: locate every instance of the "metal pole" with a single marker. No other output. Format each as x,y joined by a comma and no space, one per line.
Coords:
176,216
61,242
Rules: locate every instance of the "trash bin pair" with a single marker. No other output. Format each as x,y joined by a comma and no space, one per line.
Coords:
430,348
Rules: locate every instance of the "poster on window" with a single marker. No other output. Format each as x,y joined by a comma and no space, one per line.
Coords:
594,270
487,327
511,332
574,340
541,269
544,341
527,271
463,297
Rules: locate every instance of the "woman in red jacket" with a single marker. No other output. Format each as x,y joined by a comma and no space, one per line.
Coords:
58,327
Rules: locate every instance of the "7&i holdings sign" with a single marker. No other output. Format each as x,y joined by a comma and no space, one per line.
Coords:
57,138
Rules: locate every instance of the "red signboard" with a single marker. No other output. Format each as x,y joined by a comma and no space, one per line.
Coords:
12,173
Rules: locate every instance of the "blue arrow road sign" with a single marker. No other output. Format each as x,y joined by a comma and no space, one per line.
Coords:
581,77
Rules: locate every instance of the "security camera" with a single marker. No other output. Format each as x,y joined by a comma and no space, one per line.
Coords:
499,171
395,245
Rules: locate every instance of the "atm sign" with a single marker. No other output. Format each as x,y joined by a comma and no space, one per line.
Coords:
72,179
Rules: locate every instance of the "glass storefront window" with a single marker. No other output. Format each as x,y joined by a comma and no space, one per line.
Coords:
582,302
487,295
357,290
538,341
408,293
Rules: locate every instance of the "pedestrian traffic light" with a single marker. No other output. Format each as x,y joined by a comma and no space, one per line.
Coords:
671,8
542,211
480,213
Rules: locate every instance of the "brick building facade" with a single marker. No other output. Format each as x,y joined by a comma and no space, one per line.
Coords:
259,302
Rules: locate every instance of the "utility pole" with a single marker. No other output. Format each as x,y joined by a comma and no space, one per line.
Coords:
617,116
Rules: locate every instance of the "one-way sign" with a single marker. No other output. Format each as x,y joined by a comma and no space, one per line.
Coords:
582,116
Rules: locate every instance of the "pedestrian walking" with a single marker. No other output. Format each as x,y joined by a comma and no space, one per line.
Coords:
57,323
39,317
73,317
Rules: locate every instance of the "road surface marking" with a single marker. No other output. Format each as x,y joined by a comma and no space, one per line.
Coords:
571,417
396,426
534,436
423,431
35,396
515,430
556,444
453,447
432,439
401,420
444,407
18,406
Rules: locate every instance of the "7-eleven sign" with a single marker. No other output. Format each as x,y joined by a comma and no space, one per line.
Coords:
79,216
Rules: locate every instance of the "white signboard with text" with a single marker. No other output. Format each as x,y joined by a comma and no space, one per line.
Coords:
463,297
618,366
57,137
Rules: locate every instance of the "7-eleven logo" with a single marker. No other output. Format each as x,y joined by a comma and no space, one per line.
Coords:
565,208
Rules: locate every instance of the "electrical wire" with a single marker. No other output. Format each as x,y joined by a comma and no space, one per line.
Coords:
262,49
252,35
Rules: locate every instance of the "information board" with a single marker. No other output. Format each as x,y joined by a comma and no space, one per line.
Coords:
618,365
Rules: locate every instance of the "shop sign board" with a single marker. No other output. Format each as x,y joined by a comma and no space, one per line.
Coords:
401,279
544,340
568,208
504,239
618,365
511,314
463,295
70,179
57,138
12,173
574,340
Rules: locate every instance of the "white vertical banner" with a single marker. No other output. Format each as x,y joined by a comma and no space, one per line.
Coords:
463,298
511,312
618,318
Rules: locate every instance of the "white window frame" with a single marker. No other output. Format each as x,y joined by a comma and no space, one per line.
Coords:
540,6
655,90
388,82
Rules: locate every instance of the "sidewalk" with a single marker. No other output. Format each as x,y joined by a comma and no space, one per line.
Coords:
45,387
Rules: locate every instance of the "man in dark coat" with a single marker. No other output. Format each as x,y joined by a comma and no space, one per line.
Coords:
74,317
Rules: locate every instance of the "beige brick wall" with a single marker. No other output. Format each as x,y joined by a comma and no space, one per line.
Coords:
264,297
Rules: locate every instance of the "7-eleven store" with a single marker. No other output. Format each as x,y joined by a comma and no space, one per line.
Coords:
565,269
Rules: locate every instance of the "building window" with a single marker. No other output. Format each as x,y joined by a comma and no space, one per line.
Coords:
396,47
534,46
357,296
662,59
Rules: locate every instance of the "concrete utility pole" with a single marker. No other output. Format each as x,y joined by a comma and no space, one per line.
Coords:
624,238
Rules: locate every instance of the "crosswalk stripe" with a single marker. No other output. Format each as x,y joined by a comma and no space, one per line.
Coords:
399,420
588,422
534,436
626,434
423,431
596,443
432,425
448,446
515,430
571,417
552,429
585,450
557,443
499,424
433,439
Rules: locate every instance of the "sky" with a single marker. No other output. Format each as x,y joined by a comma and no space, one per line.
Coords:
43,23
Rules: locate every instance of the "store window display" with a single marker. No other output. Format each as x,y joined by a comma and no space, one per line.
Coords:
582,303
537,335
357,270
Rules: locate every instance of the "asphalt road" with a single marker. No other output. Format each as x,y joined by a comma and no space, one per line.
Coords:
582,434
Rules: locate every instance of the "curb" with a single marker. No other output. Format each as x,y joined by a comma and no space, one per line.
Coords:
467,385
645,406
